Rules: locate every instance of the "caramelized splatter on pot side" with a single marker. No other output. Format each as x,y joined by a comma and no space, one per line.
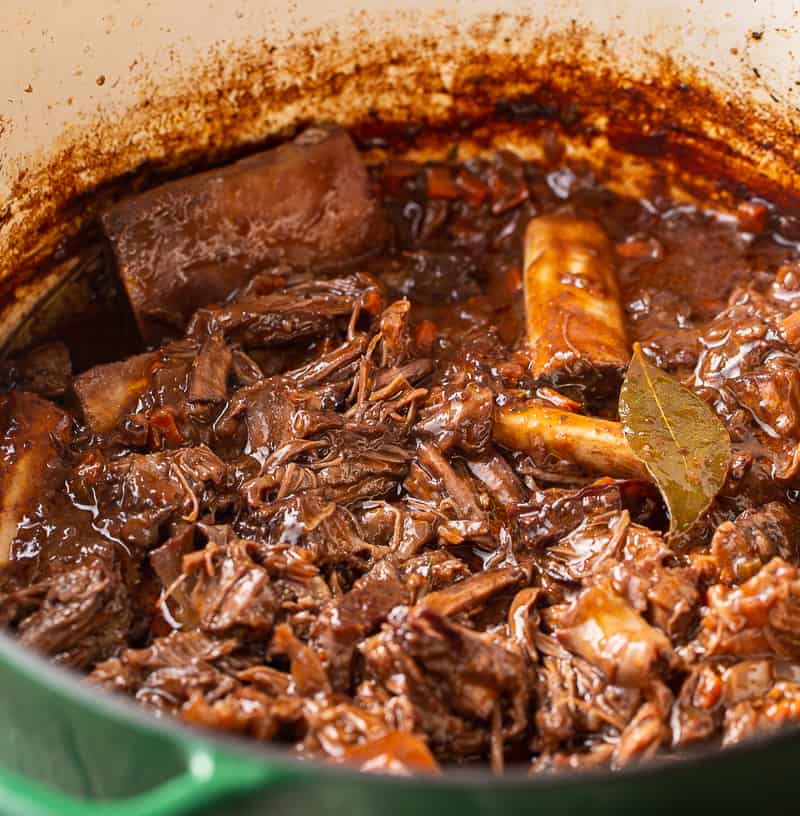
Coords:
362,489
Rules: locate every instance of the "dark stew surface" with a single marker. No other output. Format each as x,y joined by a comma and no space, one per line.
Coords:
368,488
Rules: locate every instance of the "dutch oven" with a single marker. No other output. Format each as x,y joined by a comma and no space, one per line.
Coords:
95,94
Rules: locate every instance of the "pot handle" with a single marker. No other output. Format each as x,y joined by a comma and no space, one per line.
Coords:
209,777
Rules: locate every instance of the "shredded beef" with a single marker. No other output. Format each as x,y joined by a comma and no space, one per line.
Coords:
292,514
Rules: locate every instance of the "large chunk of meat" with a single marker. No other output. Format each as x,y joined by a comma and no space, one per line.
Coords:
140,493
192,241
292,313
574,697
695,715
231,592
210,371
346,620
82,617
459,416
33,434
329,533
449,671
107,392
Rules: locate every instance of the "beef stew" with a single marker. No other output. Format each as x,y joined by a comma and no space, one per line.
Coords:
369,488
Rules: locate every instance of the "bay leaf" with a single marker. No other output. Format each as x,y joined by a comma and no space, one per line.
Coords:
679,439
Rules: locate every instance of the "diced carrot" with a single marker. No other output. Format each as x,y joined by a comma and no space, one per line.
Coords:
708,691
603,480
512,280
426,336
507,192
752,216
372,302
163,429
645,249
440,182
557,398
474,190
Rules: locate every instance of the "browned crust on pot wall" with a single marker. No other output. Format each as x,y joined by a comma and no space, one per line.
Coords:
477,85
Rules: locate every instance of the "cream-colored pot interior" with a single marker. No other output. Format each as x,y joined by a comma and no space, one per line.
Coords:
91,90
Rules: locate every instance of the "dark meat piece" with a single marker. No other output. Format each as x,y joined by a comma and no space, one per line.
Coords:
448,671
33,434
752,379
761,617
473,592
552,514
346,620
208,381
140,493
456,491
44,370
328,532
167,563
433,570
231,592
290,314
145,400
107,392
281,410
459,417
637,561
740,547
82,617
433,277
167,673
498,477
575,698
406,527
245,369
192,241
695,714
345,469
582,554
275,414
647,731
